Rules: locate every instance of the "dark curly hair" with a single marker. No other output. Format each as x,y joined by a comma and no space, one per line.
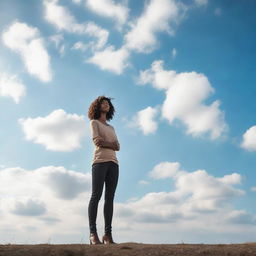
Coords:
94,109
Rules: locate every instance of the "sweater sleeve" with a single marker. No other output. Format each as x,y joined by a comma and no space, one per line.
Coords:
95,131
118,146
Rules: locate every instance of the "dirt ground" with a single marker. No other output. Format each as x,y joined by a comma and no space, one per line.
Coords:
129,249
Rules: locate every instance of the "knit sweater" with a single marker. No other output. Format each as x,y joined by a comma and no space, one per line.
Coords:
106,132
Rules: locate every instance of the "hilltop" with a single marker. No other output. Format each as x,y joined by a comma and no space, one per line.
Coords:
129,249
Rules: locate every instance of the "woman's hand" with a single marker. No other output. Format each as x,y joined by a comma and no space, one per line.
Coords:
97,141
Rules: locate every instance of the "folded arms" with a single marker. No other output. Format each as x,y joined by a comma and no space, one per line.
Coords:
100,142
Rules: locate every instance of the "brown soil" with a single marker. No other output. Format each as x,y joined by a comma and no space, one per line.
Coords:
129,249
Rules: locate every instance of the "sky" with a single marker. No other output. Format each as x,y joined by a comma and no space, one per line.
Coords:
182,78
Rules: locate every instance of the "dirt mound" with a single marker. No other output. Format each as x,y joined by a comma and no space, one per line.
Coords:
129,249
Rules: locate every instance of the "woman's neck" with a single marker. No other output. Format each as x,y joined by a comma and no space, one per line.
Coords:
103,118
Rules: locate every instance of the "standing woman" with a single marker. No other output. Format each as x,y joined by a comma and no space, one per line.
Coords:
105,168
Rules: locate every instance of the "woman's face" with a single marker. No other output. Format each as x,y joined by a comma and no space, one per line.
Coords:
105,106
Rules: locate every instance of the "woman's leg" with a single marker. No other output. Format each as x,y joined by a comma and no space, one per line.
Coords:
99,171
111,180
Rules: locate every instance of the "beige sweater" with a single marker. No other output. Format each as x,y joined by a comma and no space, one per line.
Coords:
107,132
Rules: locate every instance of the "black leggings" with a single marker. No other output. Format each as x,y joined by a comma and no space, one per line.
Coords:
103,172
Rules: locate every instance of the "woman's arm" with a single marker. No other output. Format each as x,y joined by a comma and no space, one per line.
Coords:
118,145
100,142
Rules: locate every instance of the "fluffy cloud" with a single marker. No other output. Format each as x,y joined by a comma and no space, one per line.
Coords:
158,16
185,96
249,139
100,33
29,208
198,198
48,195
196,205
26,41
66,185
240,217
165,170
108,8
144,120
58,131
62,19
231,179
11,86
111,59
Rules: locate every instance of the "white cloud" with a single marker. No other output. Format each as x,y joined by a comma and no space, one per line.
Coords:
108,8
144,120
111,59
59,131
241,217
26,41
185,96
58,40
62,19
143,182
196,192
160,79
30,207
233,178
206,189
11,86
158,16
197,208
201,2
43,200
80,46
253,188
95,31
66,185
165,170
249,139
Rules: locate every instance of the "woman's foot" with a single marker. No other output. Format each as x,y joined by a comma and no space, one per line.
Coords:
107,239
94,239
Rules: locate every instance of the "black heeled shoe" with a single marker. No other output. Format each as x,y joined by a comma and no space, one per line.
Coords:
94,239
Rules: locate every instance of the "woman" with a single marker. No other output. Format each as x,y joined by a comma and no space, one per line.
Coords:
105,168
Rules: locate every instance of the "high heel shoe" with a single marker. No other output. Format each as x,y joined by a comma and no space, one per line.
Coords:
94,239
107,239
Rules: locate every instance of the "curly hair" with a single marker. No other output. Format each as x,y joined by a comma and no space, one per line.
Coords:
94,109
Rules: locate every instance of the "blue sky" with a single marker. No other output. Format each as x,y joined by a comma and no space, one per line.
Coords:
182,77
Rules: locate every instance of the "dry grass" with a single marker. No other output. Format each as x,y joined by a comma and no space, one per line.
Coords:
129,249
